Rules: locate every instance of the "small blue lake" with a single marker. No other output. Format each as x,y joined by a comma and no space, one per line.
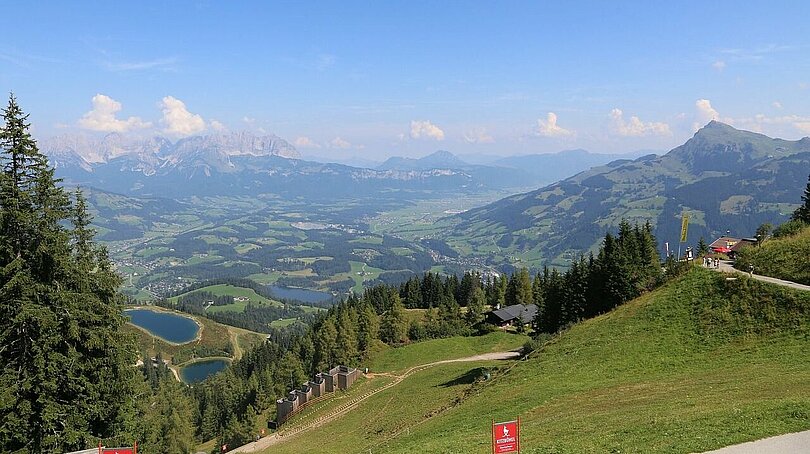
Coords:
165,325
299,294
199,371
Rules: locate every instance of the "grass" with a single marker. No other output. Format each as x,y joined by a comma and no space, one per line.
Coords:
699,364
783,258
282,322
230,290
397,359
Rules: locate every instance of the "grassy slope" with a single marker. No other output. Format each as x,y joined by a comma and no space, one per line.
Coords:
784,258
230,290
699,364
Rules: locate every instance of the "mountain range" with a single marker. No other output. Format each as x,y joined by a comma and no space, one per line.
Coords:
727,180
246,164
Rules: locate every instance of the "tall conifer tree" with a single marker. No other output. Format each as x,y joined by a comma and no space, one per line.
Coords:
66,379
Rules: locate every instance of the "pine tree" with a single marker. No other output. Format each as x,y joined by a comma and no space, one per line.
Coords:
63,351
519,288
703,248
368,327
476,304
393,326
346,341
803,212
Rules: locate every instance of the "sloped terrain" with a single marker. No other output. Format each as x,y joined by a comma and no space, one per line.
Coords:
699,364
727,179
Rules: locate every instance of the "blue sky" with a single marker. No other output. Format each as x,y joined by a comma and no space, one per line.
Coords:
373,79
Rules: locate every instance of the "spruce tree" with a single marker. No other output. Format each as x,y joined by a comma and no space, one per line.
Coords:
67,378
393,326
803,212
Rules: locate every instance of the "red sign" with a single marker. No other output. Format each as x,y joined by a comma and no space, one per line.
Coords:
117,450
506,437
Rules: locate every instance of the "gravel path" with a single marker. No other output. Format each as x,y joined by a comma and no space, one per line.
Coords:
725,267
795,443
285,433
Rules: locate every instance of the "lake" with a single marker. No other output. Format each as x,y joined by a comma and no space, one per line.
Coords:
299,294
165,325
199,371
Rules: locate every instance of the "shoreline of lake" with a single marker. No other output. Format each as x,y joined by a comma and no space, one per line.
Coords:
163,310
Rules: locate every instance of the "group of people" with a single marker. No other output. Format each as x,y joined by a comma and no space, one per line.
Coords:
709,262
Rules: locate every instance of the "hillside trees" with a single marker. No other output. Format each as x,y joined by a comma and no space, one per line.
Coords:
626,266
66,379
803,212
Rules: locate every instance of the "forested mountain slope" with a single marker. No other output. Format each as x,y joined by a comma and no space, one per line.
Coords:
726,179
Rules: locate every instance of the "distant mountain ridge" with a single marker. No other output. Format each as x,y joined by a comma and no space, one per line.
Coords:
550,167
147,154
439,160
727,179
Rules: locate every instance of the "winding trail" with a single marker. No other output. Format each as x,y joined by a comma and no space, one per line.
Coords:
285,434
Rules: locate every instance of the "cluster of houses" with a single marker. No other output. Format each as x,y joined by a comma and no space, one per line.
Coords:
338,378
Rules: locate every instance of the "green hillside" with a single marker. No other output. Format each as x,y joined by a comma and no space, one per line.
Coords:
725,178
784,258
700,363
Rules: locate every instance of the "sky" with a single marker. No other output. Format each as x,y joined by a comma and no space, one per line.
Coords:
375,79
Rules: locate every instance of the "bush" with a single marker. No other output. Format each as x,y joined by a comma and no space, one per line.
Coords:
789,228
536,343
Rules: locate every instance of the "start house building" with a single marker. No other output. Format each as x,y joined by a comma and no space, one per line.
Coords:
338,378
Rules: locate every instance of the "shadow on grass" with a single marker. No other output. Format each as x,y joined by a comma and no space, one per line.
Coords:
467,378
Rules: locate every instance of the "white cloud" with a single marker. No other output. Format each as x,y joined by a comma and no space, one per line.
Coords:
178,121
704,113
719,65
102,117
425,129
634,127
166,64
337,142
478,136
797,122
217,126
306,142
248,120
776,105
550,128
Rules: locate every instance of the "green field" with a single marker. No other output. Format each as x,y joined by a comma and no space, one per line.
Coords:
230,290
699,364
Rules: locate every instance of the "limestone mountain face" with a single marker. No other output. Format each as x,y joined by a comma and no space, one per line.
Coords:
151,154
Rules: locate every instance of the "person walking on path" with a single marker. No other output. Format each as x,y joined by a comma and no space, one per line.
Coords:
751,270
